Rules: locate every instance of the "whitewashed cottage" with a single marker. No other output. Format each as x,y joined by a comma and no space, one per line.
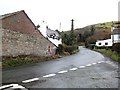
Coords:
52,35
115,38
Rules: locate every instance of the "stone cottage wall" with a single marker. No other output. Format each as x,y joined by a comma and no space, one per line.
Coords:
15,43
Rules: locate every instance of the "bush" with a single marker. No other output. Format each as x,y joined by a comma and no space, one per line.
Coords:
116,47
113,55
66,53
62,49
70,49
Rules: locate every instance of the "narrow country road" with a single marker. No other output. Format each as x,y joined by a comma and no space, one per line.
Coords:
86,69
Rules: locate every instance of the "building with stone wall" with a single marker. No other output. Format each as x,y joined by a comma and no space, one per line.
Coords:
21,37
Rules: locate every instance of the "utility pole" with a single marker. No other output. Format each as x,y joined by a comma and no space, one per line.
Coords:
60,27
72,25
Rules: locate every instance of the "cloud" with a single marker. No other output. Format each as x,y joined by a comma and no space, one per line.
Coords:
85,12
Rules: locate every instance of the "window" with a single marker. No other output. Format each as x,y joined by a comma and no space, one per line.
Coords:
99,43
106,43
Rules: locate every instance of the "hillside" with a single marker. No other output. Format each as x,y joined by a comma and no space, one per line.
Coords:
100,31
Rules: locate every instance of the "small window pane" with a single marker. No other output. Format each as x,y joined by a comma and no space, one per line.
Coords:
106,43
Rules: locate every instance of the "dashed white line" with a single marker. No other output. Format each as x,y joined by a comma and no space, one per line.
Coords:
49,75
63,71
82,67
73,69
99,62
94,63
6,86
30,80
17,86
88,64
11,86
108,62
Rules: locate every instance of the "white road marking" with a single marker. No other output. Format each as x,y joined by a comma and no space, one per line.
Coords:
6,86
94,63
73,69
63,71
108,62
99,62
49,75
30,80
82,67
17,86
11,86
88,64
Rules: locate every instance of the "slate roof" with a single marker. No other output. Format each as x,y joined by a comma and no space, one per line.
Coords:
9,14
116,31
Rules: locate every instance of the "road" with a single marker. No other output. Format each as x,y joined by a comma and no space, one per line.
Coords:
86,69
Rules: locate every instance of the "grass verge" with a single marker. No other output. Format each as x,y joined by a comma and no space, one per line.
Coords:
113,55
8,62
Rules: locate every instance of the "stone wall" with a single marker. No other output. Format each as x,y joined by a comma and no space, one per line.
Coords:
15,43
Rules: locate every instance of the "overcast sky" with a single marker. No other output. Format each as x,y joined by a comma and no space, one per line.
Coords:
54,12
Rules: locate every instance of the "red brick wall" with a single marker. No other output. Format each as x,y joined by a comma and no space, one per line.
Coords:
19,22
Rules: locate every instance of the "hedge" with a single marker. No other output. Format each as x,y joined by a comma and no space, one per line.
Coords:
65,48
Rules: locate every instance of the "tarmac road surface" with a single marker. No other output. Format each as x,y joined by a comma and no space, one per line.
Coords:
86,69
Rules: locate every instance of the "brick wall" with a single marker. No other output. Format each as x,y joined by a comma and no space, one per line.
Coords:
20,22
15,43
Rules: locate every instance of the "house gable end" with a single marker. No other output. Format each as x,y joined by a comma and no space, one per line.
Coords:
19,21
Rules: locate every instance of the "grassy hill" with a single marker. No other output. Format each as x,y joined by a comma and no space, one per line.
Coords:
101,31
106,24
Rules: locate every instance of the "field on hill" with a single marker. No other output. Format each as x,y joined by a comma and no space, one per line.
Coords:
86,34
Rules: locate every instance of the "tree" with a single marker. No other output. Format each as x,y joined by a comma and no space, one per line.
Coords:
72,34
92,30
69,39
72,38
64,38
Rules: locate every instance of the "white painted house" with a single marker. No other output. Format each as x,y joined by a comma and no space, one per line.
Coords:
52,35
115,38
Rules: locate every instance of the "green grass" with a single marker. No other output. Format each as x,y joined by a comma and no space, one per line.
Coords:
23,60
113,55
0,64
106,24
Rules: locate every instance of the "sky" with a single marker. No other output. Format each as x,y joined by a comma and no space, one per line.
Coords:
54,12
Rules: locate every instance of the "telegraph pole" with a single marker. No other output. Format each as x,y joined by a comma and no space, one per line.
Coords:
60,27
72,24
